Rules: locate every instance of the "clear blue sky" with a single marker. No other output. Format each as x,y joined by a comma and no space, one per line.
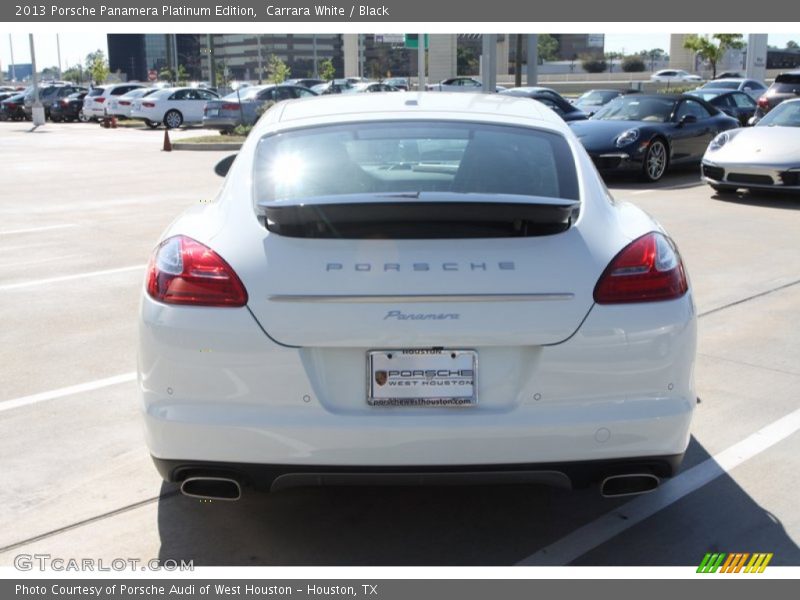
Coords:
75,46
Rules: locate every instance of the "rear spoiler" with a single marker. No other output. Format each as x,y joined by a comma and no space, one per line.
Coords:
386,218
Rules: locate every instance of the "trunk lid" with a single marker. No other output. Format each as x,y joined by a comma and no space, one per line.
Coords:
320,290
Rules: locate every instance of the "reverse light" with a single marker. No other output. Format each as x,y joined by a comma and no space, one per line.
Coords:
184,271
627,137
649,269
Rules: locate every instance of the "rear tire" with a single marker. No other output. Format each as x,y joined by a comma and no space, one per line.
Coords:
173,119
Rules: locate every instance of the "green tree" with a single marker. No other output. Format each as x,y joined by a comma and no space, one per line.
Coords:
590,64
165,74
73,74
277,70
181,75
49,73
97,66
221,70
633,64
713,48
547,47
326,69
467,62
653,55
792,45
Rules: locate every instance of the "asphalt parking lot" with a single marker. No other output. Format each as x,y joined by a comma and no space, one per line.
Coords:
80,210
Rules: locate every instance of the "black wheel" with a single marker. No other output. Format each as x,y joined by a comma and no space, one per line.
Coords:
151,124
173,119
723,189
656,160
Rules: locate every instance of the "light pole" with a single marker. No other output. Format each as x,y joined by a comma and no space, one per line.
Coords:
58,50
38,109
421,62
13,70
260,61
316,68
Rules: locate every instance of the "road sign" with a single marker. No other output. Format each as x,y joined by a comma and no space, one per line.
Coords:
396,39
152,75
412,41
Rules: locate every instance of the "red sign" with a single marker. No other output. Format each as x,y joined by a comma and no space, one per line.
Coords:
152,75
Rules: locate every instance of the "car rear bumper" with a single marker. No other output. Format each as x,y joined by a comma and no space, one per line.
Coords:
215,388
274,477
221,122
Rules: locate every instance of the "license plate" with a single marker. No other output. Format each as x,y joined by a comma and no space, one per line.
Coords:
437,377
212,112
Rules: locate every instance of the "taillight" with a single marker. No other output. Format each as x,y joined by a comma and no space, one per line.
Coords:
148,104
648,269
229,107
100,99
65,102
124,103
763,102
184,271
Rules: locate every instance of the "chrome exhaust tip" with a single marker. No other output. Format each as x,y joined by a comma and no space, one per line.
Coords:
629,484
211,488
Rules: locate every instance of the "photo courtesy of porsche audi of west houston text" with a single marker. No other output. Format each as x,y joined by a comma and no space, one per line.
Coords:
412,288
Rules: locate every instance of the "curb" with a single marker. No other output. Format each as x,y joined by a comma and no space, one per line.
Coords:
207,146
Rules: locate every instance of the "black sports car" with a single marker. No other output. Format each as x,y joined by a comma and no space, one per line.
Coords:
650,133
551,99
737,104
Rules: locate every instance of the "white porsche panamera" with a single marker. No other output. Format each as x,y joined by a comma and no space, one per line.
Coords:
415,288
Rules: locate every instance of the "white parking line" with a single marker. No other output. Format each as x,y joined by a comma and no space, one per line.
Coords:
37,229
66,391
24,284
592,535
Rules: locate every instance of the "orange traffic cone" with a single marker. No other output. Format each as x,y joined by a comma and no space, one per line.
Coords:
167,144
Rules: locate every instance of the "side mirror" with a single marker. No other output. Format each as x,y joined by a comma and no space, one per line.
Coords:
223,166
686,120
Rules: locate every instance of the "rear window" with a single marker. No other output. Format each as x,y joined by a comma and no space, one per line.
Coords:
410,158
96,92
787,83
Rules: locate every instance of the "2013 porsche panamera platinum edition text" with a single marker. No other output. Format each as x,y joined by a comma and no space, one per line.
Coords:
411,289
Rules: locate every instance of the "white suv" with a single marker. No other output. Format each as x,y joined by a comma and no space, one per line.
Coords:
96,101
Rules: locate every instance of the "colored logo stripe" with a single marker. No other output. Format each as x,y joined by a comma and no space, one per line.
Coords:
733,563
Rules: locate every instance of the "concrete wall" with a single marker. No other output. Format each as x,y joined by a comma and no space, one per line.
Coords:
442,58
680,57
350,51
